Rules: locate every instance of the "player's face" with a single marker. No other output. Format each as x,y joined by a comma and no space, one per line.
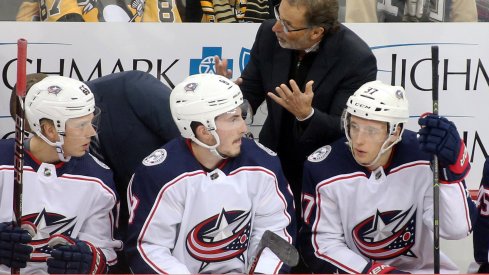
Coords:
78,134
291,27
367,138
231,127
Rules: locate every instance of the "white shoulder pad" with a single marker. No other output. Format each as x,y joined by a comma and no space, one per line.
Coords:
103,165
320,154
266,149
157,157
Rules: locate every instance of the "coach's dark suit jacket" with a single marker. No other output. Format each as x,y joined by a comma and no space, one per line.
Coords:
135,120
343,64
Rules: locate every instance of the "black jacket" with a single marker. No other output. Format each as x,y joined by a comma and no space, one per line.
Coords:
135,120
344,62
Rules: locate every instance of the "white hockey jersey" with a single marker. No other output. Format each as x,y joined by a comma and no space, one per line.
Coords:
186,220
353,216
74,199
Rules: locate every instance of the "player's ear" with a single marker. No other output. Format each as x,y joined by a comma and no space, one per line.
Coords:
202,133
48,129
397,132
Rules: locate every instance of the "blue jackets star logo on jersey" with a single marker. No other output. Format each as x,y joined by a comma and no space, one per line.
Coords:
220,238
386,235
47,224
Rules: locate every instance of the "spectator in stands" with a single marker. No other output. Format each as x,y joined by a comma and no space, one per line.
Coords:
402,10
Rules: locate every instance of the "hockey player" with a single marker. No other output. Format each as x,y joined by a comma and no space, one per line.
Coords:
68,196
481,227
201,203
368,198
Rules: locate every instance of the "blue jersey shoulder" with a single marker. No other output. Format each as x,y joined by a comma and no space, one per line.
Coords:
254,153
84,166
337,159
167,163
408,150
331,160
88,165
7,147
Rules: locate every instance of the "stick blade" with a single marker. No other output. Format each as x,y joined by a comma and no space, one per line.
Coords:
285,251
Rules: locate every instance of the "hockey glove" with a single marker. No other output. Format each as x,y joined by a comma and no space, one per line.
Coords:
378,268
73,256
14,249
439,136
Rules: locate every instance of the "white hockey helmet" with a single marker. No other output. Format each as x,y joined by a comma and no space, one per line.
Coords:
201,98
381,102
57,98
378,101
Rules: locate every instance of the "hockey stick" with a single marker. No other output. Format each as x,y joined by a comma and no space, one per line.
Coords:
285,251
436,183
19,134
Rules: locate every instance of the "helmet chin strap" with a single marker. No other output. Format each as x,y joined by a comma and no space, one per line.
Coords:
381,152
213,148
58,145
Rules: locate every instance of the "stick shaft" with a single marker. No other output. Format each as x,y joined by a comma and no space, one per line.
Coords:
254,260
436,182
19,135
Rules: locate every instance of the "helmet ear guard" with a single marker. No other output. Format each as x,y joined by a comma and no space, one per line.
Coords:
201,98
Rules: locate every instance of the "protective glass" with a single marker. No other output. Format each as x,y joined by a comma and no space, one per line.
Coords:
286,28
82,127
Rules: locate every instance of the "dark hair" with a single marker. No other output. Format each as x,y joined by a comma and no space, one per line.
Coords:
31,79
321,13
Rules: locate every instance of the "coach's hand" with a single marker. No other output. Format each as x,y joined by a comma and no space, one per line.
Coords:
73,256
14,249
294,100
439,136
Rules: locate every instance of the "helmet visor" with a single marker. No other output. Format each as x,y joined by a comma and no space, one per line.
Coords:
83,126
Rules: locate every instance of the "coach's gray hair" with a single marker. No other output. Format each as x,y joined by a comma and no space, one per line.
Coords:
321,13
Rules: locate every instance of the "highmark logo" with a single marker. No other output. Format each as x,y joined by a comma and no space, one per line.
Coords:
206,63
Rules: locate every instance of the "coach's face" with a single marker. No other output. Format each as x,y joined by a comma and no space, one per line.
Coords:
292,29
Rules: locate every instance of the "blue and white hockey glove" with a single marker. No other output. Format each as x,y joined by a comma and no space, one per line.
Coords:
378,268
439,136
73,256
14,249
